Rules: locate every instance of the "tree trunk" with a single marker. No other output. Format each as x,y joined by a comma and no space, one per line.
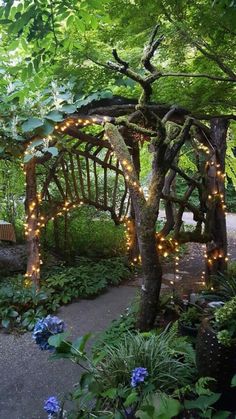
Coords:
32,230
152,274
216,260
132,239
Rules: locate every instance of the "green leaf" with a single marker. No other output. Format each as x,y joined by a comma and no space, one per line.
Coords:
146,412
53,151
46,129
5,323
111,393
56,340
13,313
202,402
86,378
31,124
95,387
35,143
79,344
233,381
221,415
132,398
68,108
55,116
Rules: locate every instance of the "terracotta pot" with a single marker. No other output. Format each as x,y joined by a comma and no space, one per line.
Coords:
214,359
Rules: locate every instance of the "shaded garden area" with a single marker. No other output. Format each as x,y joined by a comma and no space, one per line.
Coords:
117,169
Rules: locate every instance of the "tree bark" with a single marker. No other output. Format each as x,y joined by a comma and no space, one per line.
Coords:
32,230
151,266
216,260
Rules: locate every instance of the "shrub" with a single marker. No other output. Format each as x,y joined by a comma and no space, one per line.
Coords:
90,234
168,358
191,317
225,323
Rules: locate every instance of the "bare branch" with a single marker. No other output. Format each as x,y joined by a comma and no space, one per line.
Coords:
172,152
199,75
198,215
169,114
150,49
186,177
125,64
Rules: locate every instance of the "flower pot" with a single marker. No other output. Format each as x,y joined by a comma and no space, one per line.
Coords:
217,361
185,330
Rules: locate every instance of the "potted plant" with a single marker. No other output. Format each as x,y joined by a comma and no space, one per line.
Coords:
216,348
190,320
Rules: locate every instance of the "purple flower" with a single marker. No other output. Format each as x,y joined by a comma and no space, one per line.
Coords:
138,376
44,328
52,405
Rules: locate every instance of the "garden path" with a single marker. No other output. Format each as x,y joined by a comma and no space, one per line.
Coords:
28,377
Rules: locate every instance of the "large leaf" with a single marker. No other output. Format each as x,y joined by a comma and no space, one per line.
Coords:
5,323
55,116
160,407
46,129
79,344
68,108
35,143
57,340
31,124
202,402
53,151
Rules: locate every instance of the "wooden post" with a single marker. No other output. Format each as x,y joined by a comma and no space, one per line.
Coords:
32,229
216,260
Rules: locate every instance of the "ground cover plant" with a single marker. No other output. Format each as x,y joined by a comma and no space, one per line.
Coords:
22,305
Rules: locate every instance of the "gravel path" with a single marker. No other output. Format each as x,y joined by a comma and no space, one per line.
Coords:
28,377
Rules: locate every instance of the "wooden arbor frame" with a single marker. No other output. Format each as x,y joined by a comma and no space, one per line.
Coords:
85,171
73,177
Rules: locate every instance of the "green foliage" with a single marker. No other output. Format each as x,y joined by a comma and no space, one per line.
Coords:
85,281
22,306
159,406
168,358
200,400
225,322
191,317
90,234
105,388
224,285
11,192
170,390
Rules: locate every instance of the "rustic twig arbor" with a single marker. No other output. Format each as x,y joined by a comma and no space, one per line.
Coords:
115,150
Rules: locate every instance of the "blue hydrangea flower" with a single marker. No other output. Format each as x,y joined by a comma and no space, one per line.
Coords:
138,376
44,328
52,406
